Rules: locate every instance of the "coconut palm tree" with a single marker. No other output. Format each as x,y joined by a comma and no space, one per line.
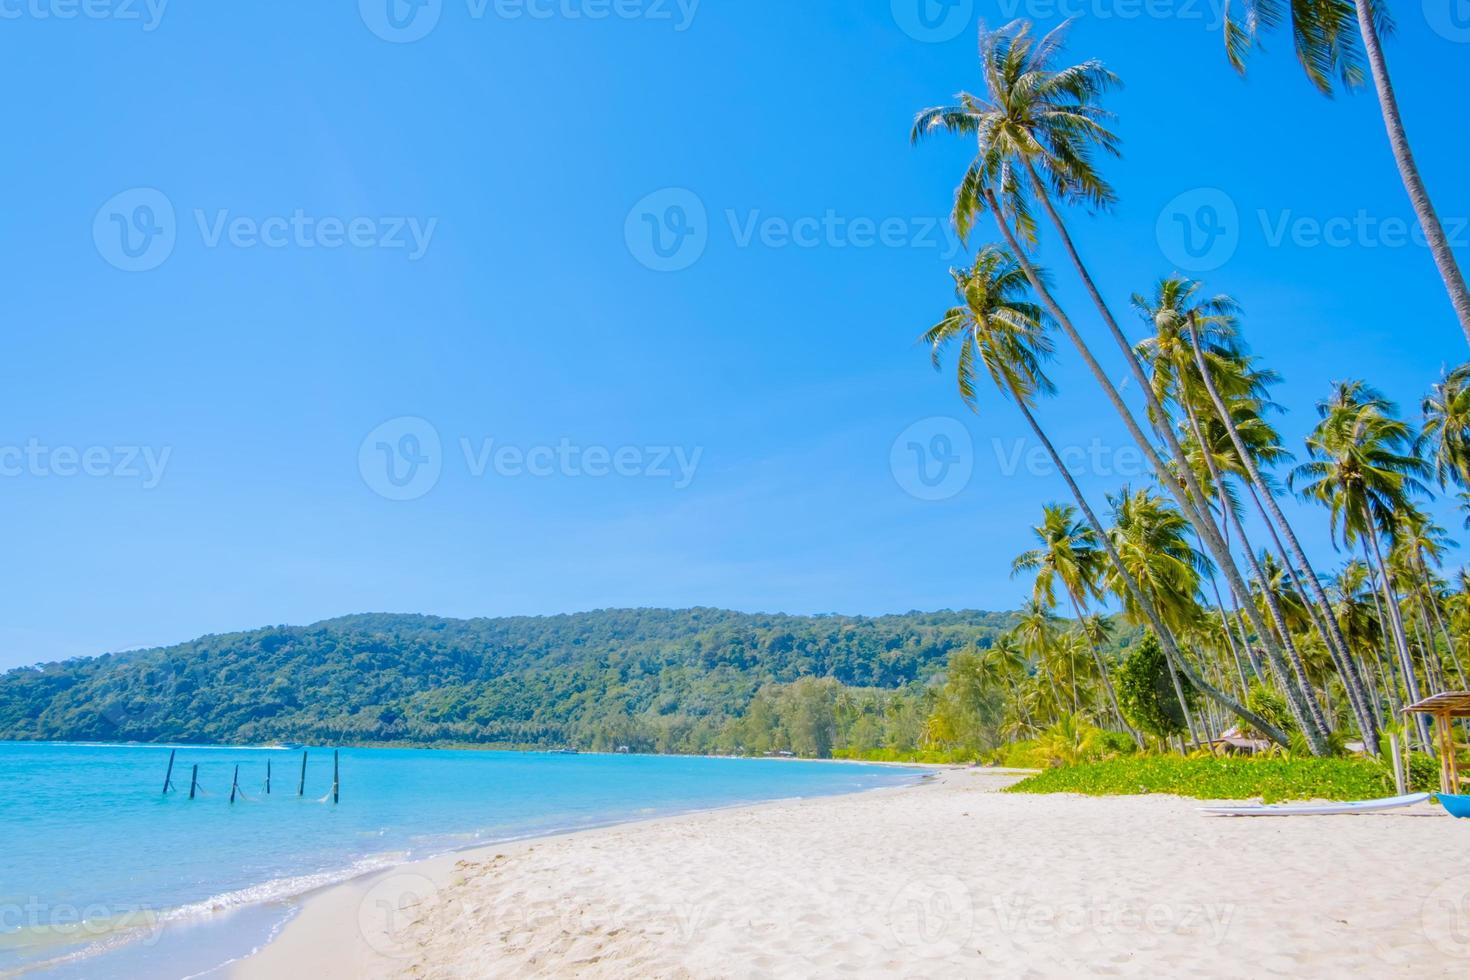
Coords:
1363,470
1037,130
1419,547
1151,540
1070,554
1006,662
1179,320
1036,630
1355,608
1001,334
1326,34
1445,438
1249,455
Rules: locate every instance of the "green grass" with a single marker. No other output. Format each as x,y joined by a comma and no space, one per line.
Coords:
1229,778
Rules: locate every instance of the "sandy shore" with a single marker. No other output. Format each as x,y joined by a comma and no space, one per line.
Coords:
945,879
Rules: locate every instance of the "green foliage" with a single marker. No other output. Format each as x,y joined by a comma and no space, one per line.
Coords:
1209,778
1270,705
1068,742
1146,691
697,680
1071,740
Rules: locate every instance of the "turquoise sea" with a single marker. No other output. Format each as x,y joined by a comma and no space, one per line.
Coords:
104,875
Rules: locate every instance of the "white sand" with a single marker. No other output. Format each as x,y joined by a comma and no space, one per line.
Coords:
947,879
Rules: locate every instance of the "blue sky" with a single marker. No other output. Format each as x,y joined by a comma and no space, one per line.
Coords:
344,245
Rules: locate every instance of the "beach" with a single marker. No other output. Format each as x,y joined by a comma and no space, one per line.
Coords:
946,878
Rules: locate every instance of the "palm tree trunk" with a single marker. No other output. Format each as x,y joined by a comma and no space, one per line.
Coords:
1190,499
1272,604
1398,141
1273,517
1396,625
1245,687
1330,633
1432,598
1166,638
1102,669
1051,682
1385,655
1425,637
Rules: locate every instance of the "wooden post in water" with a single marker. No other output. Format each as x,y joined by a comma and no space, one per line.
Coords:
301,786
194,781
267,777
336,775
234,787
169,776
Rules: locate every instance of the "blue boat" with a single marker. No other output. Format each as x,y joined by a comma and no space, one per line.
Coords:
1456,806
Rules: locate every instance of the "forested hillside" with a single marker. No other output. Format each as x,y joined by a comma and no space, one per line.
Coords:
693,680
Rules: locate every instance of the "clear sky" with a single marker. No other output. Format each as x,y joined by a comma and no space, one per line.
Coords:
625,292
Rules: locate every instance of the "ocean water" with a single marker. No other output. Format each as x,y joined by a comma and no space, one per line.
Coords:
103,875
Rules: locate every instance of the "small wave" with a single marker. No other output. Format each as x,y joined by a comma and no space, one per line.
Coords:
281,889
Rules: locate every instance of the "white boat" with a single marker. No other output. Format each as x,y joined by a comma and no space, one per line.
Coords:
1315,809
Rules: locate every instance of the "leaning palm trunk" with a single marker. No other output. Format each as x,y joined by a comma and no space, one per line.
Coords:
1273,517
1245,688
1383,651
1205,528
1273,605
1172,654
1400,638
1190,497
1398,141
1328,630
1431,599
1102,670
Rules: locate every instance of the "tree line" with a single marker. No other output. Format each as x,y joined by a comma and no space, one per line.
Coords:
1242,617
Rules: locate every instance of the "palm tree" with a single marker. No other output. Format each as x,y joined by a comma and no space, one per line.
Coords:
1036,132
1362,469
1070,554
1418,544
1150,539
1002,334
1248,453
1036,630
1355,608
1006,661
1179,320
1326,41
1445,437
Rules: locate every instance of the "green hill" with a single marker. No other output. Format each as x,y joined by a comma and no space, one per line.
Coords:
693,680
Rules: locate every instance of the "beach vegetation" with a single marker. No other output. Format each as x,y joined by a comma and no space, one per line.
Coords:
1270,779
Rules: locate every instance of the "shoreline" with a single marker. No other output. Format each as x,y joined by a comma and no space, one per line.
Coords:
222,930
942,877
205,936
326,899
319,910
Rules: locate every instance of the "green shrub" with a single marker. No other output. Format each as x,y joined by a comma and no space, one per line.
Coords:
1146,691
1210,778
